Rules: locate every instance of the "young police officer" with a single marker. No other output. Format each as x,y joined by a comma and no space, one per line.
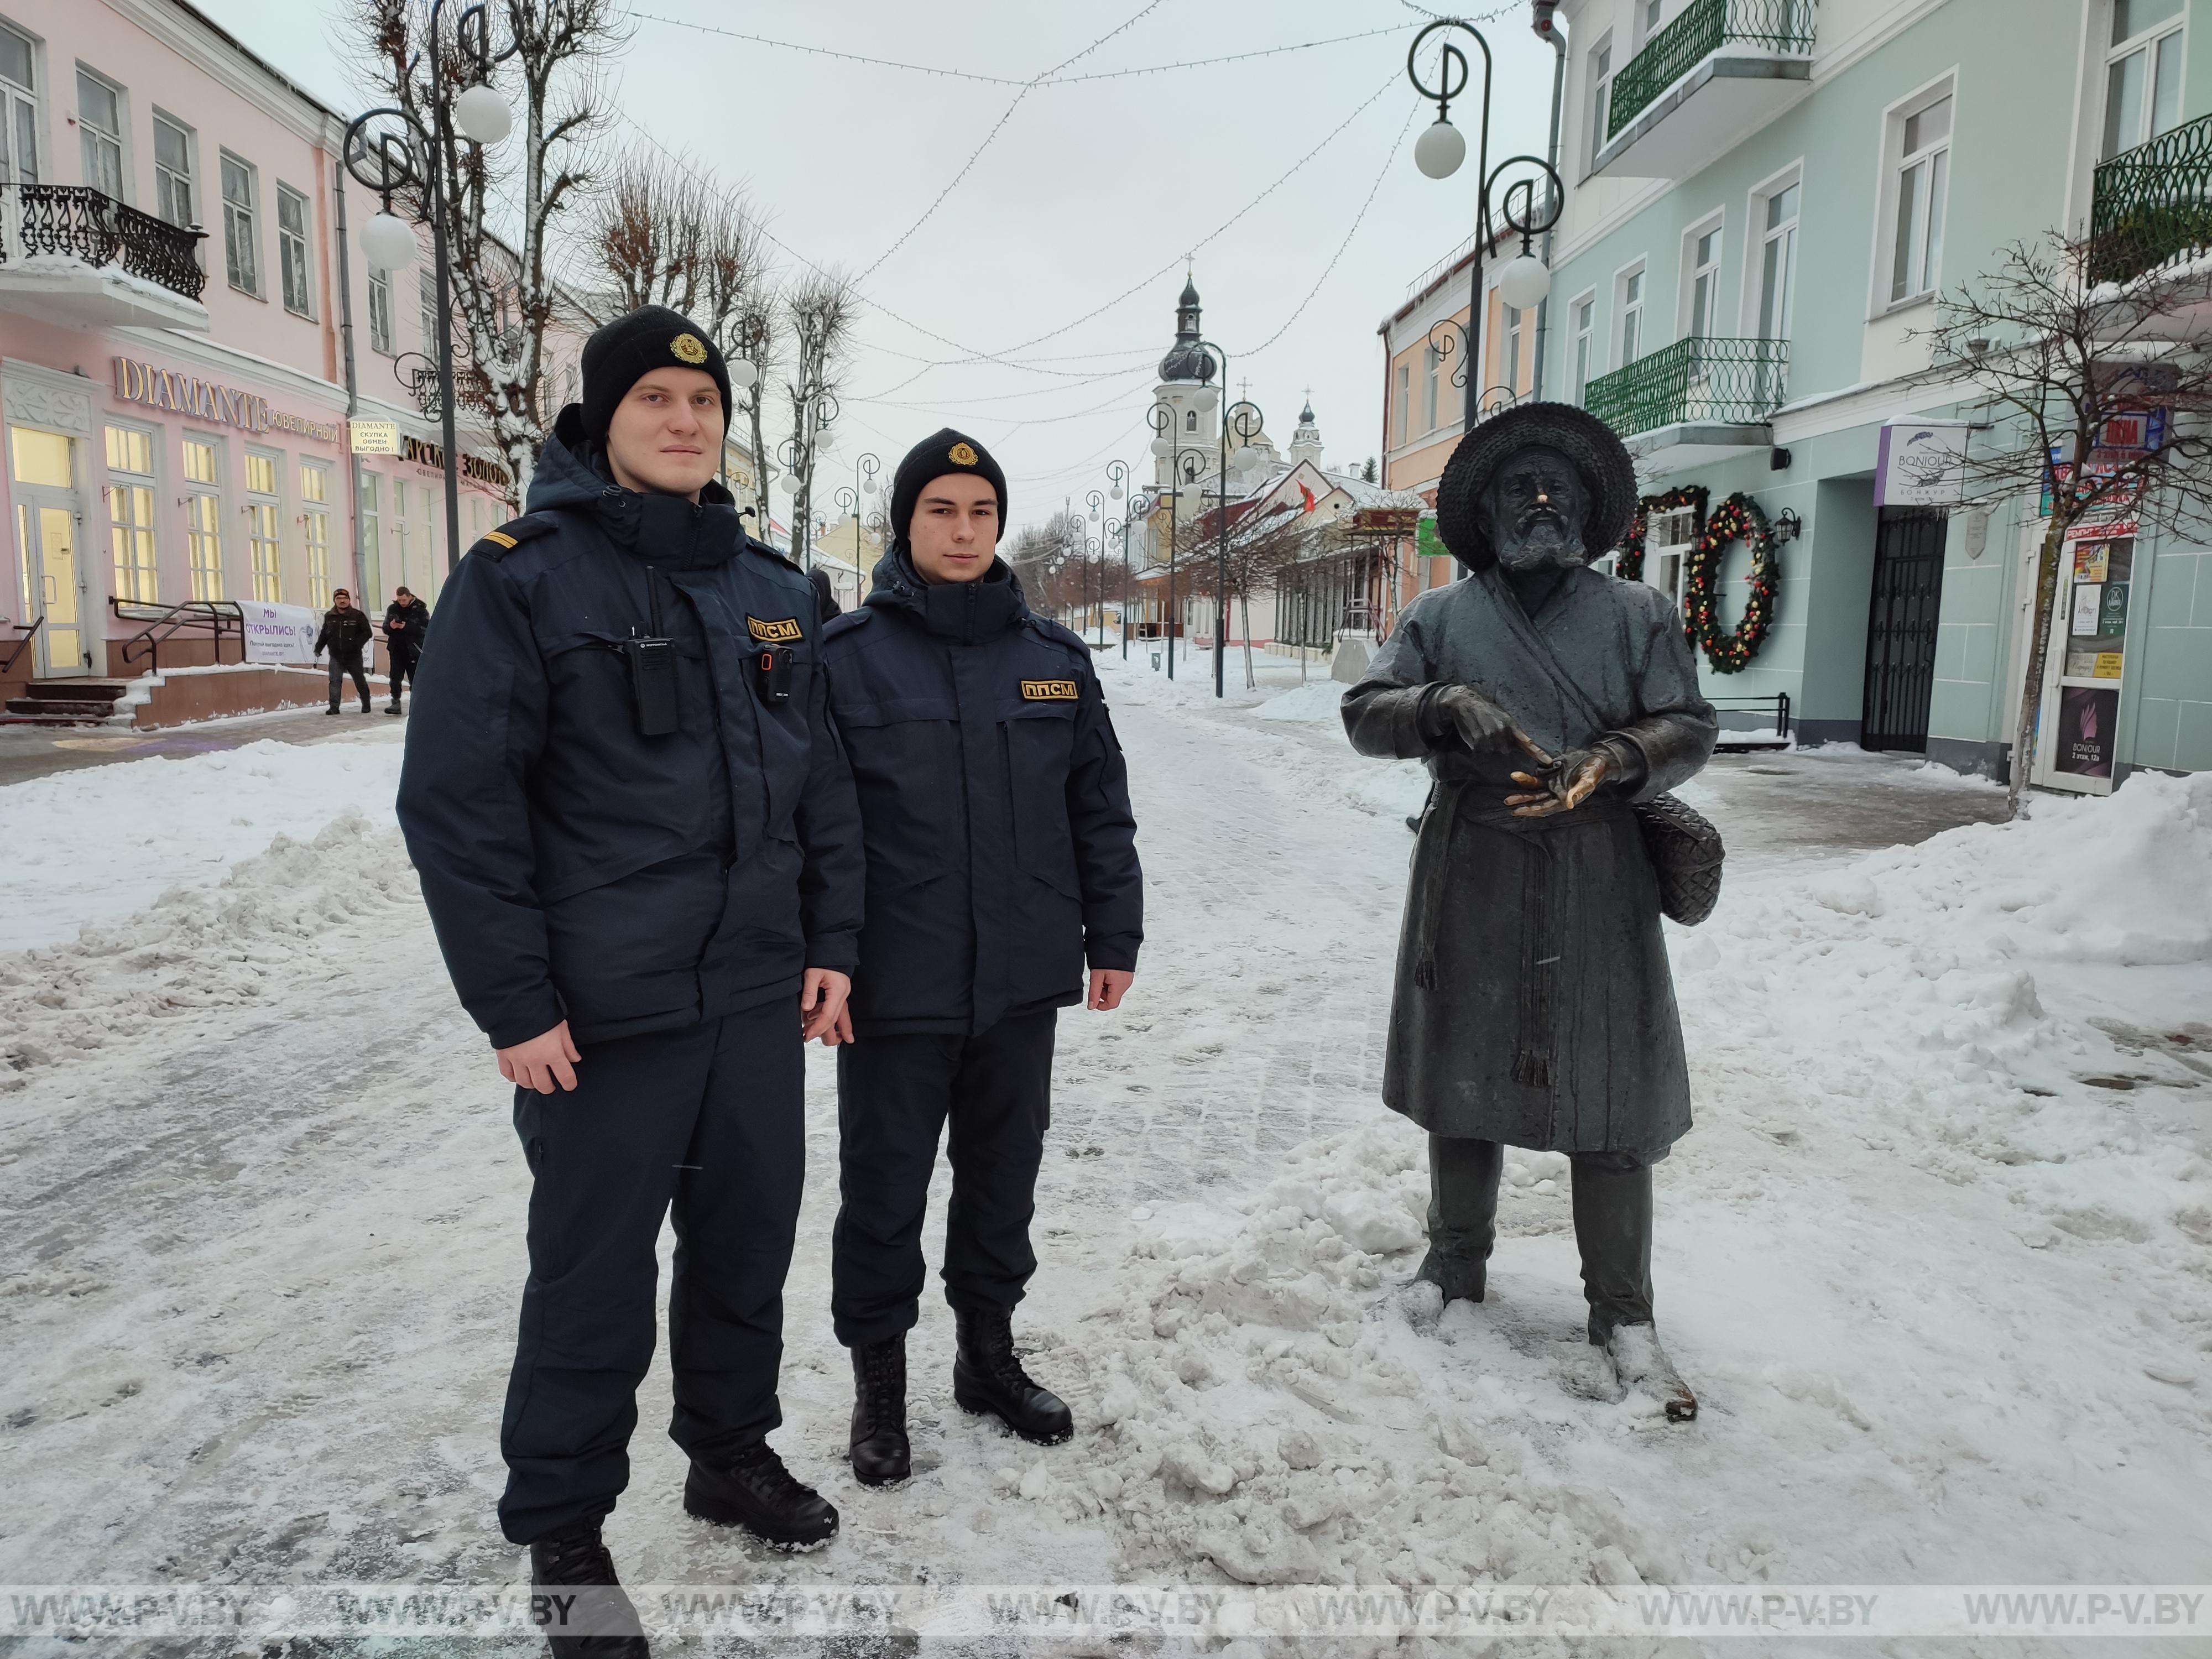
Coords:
638,841
1001,851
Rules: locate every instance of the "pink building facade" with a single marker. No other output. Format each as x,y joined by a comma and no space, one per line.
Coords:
192,347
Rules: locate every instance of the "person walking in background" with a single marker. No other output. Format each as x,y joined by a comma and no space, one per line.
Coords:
346,634
1001,853
406,626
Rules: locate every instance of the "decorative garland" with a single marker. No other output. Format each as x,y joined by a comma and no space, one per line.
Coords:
1738,518
1630,565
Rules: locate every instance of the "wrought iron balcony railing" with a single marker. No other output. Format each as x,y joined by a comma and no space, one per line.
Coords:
79,222
1701,30
2152,204
1730,382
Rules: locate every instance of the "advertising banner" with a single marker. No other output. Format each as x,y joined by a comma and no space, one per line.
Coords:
2087,715
1922,464
279,632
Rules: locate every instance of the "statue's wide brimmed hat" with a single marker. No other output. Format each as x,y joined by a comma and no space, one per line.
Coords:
1577,434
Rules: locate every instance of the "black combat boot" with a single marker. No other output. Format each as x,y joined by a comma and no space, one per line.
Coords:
756,1491
579,1602
987,1378
880,1452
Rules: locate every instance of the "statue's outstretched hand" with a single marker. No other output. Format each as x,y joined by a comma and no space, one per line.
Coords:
1482,726
1562,785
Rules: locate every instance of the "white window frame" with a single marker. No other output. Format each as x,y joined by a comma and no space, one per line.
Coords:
425,301
1756,237
1508,332
235,214
265,509
129,575
1586,366
2151,43
1645,27
1935,157
1689,324
300,244
1432,362
207,581
1598,69
1631,289
380,313
1401,417
118,142
167,181
315,531
23,115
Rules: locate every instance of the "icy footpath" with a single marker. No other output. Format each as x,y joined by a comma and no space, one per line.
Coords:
248,939
1914,1171
98,845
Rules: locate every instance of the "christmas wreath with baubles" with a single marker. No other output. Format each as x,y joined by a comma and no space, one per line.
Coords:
1738,518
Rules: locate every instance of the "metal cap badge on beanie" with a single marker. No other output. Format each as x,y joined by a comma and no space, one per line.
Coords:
932,458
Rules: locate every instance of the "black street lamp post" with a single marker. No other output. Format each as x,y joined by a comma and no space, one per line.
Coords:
413,157
1096,501
1117,477
1140,509
1524,281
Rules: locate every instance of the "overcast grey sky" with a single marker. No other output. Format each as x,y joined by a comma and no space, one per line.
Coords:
1061,249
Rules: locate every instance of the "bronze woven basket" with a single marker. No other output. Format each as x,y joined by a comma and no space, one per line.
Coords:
1685,854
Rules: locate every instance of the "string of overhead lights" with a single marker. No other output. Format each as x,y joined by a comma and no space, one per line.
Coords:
941,72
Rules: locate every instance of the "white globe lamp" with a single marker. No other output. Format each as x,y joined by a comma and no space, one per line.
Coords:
483,115
387,242
743,376
1440,149
1523,280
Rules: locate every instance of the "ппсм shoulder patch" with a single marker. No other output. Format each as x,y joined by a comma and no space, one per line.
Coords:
1049,691
781,631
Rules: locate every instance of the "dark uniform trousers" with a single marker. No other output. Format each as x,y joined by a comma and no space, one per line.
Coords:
1612,1221
400,669
895,1094
710,1117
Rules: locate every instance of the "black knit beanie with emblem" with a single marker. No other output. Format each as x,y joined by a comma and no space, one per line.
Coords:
620,354
932,458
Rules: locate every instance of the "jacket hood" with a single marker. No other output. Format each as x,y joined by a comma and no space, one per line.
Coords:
967,611
664,530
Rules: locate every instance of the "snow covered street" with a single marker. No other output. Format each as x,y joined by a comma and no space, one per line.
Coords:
1937,1257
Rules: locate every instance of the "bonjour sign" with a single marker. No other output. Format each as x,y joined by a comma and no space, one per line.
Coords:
205,400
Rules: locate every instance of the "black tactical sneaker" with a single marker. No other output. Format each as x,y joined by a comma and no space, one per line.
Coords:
756,1493
579,1602
881,1454
987,1378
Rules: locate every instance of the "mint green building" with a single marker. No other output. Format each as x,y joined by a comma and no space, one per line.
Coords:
1763,198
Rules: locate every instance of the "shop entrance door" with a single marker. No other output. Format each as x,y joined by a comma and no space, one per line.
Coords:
47,546
1900,660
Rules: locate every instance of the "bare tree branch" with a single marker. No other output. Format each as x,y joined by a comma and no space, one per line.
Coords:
2053,358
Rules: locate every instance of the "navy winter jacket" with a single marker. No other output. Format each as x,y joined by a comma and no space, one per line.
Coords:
575,869
995,802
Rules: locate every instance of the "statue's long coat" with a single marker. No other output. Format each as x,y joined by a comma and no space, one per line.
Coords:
1534,1004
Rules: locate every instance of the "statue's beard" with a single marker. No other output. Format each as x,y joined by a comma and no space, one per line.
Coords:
1543,540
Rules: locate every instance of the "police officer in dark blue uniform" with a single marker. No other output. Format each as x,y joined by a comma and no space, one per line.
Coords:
1001,853
639,843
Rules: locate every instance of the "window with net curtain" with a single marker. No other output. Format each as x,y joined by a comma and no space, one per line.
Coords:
2142,73
240,259
1923,171
19,109
99,130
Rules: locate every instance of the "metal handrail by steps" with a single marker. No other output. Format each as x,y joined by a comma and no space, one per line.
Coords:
16,649
164,622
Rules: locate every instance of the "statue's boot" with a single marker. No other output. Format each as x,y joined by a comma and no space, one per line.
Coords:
1462,1214
1613,1230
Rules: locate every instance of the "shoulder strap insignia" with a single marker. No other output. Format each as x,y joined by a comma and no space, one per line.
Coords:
767,552
498,543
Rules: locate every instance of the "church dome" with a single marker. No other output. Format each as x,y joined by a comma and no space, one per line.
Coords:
1187,360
